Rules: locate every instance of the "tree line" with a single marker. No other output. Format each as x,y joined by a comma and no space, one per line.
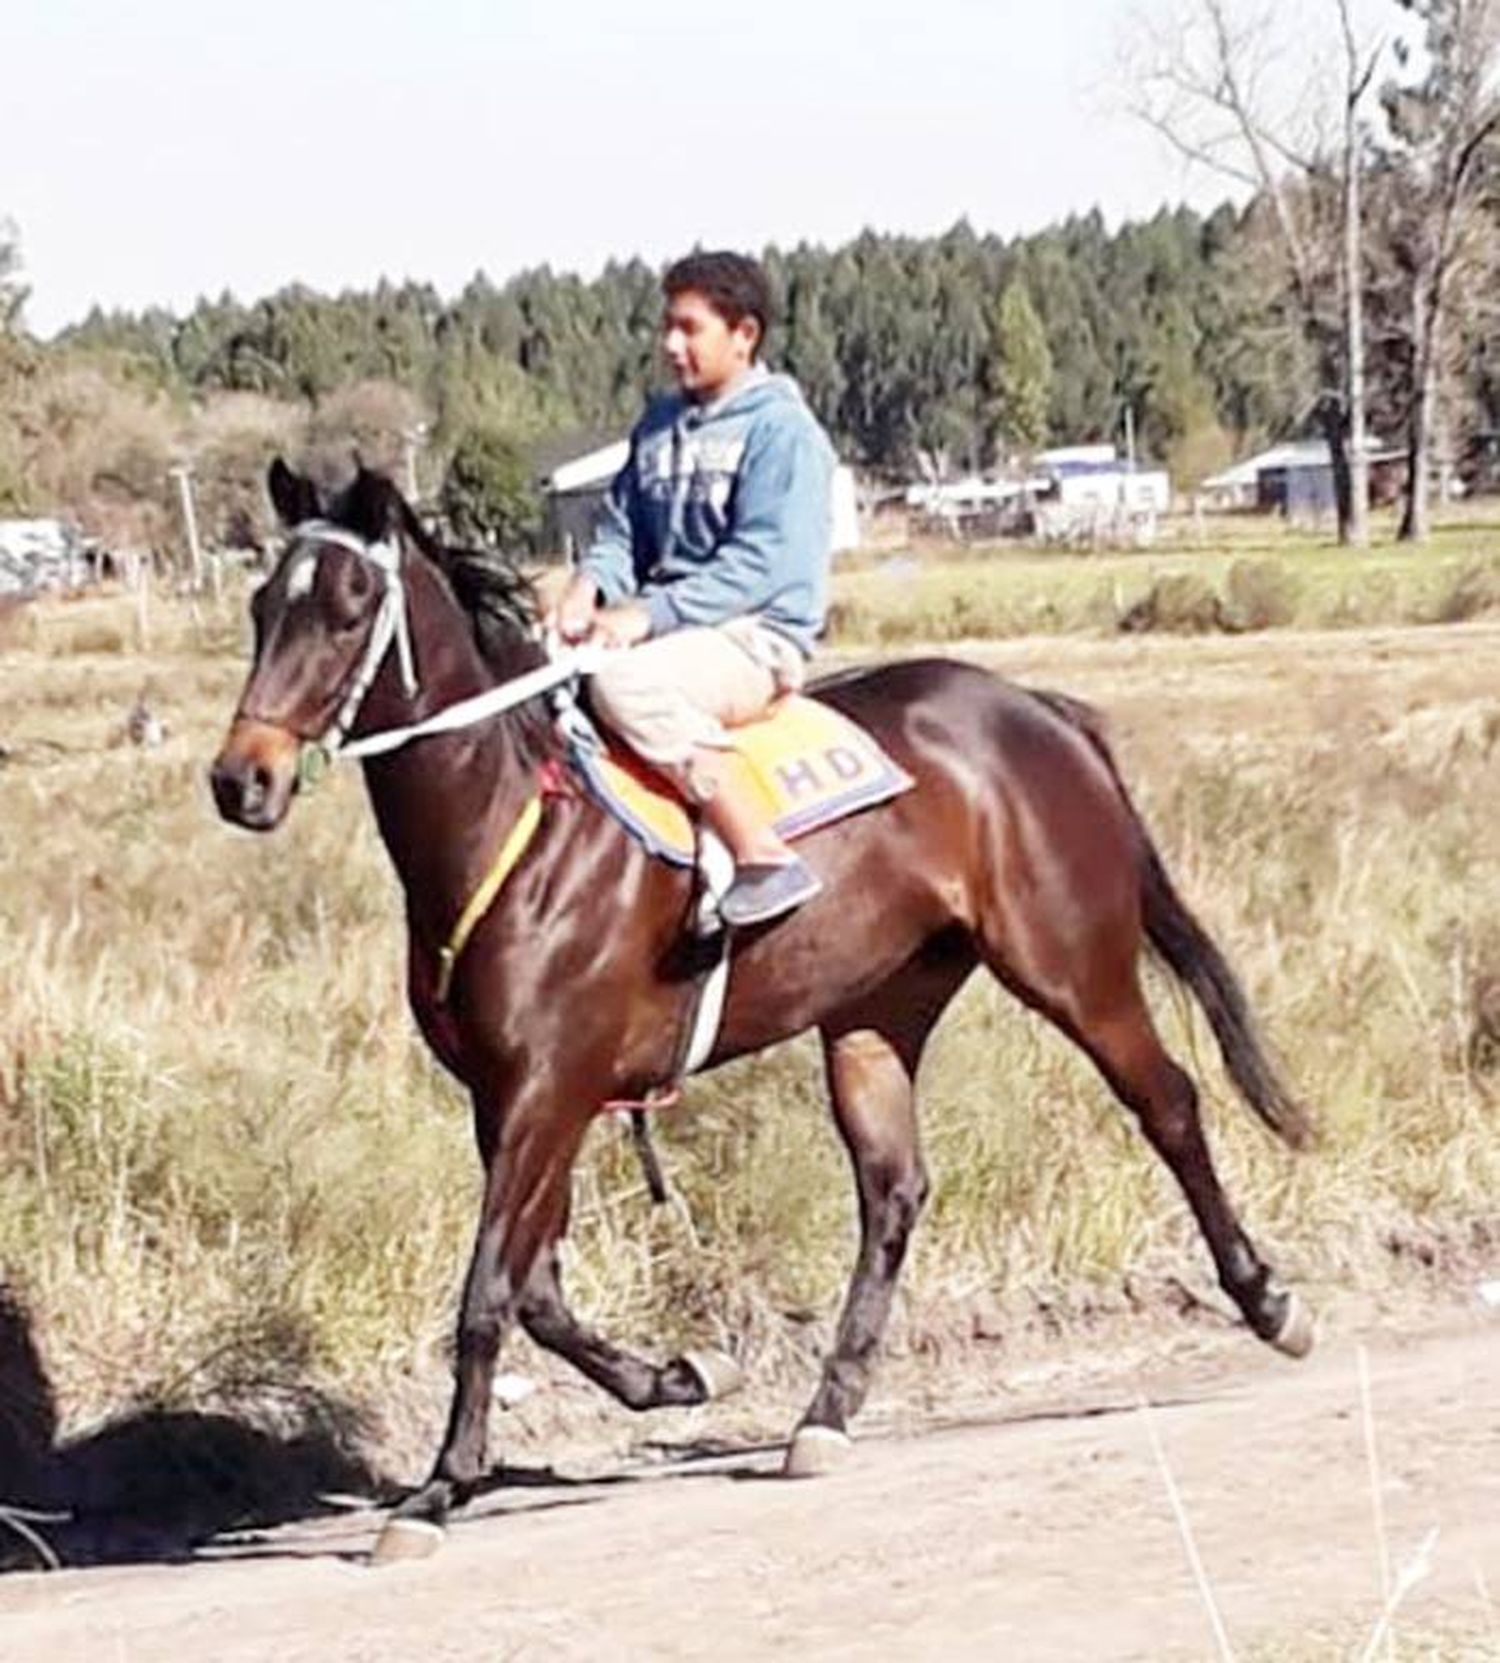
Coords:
1345,293
938,352
921,355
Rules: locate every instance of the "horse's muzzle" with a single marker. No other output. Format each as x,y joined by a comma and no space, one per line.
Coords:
255,774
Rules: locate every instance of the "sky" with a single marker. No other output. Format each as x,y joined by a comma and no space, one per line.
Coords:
159,151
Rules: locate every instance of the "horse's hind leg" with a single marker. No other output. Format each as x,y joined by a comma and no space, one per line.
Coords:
695,1377
1129,1053
871,1055
1060,924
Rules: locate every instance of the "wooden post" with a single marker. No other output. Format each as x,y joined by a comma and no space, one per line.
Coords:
184,477
138,576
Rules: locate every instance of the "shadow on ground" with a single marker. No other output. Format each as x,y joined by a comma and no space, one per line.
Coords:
155,1483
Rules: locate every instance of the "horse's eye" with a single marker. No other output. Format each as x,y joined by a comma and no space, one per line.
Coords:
349,594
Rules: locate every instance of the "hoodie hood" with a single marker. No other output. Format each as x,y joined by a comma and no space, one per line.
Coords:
758,390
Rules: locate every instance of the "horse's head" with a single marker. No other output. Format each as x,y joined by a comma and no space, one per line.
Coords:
325,620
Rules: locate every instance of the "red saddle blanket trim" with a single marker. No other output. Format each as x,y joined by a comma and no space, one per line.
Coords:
810,763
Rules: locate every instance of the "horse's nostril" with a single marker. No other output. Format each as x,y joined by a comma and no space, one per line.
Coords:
223,783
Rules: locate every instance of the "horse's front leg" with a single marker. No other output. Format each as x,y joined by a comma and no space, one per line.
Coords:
525,1201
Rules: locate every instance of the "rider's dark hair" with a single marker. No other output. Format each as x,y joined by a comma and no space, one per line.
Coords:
733,284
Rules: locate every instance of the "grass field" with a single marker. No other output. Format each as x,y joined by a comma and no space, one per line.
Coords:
1255,574
230,1176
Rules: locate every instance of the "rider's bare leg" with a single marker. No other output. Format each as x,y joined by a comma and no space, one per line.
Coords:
721,783
770,878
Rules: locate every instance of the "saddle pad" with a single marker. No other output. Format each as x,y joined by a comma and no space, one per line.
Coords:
810,764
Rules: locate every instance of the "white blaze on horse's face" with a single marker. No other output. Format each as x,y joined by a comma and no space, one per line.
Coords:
300,579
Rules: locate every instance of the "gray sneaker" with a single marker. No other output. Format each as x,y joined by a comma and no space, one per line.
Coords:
761,892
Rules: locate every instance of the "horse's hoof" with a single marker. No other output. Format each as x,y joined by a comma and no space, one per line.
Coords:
1298,1332
718,1374
403,1539
816,1450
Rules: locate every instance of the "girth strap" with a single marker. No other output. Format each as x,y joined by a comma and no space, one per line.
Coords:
483,898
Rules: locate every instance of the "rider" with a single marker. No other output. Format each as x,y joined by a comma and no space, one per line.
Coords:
710,564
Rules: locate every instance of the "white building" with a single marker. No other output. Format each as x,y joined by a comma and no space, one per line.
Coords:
41,554
1095,477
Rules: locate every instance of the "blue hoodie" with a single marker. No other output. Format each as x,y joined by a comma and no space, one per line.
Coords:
722,511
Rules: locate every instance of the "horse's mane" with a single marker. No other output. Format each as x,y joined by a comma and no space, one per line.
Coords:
499,598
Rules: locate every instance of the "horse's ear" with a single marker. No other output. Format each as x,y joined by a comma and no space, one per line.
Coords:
294,496
371,507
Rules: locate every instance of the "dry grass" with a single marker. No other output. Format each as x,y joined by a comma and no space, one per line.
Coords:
229,1170
1446,1644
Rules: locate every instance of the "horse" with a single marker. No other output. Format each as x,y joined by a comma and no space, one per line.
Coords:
1018,849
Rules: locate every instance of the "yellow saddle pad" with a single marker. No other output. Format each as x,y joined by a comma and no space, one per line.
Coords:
811,765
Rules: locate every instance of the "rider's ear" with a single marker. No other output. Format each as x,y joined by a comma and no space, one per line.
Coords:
371,506
295,497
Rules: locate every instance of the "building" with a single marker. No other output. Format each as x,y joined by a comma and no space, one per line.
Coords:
1072,493
575,493
1082,477
1296,480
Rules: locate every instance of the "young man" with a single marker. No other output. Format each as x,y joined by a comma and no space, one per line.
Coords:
711,566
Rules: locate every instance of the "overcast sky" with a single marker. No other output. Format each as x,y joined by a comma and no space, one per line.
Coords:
157,151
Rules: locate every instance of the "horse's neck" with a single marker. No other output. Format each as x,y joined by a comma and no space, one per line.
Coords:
444,803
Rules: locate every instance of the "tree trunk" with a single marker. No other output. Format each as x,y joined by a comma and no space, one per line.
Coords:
1335,431
1416,524
1357,528
1416,519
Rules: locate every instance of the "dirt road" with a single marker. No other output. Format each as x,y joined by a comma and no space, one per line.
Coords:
1042,1533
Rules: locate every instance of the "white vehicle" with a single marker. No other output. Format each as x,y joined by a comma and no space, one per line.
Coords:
37,555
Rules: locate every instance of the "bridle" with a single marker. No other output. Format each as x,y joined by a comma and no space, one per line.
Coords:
392,627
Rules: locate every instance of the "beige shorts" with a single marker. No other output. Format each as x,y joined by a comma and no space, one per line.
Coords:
685,689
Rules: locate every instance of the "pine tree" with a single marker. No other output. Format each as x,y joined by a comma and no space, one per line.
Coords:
12,290
1020,372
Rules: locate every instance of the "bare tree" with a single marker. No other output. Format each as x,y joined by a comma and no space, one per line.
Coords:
1206,83
1443,126
12,290
1359,70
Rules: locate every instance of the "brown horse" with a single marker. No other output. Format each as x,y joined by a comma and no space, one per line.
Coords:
1018,849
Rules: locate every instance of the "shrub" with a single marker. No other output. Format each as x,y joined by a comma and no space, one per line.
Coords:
1475,592
1261,594
1182,604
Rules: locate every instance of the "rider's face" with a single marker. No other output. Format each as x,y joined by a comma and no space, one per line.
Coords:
706,353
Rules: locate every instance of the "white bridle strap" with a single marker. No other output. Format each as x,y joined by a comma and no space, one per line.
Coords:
391,624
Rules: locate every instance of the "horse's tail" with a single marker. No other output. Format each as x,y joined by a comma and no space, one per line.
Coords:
1194,957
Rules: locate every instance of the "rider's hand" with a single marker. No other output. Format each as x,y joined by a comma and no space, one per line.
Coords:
573,615
621,626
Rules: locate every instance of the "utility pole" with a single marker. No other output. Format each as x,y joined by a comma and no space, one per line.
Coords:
1129,438
182,472
412,440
